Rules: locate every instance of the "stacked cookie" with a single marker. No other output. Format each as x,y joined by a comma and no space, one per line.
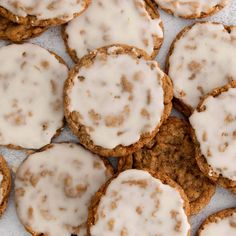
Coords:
117,101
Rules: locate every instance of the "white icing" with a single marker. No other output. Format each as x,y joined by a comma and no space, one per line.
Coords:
1,196
109,22
31,88
113,99
226,227
215,129
57,184
137,204
187,8
203,59
45,9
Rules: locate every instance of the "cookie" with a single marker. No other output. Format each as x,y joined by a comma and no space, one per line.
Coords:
53,189
16,32
139,203
201,58
31,93
5,185
220,223
116,99
43,12
191,9
214,122
109,22
172,152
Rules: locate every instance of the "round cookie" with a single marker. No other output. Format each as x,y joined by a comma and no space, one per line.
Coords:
17,33
109,22
116,99
5,185
201,58
136,202
31,93
172,152
220,223
214,122
191,9
43,12
53,189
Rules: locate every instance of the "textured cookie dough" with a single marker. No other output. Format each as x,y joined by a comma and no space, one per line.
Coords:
214,122
42,12
137,203
31,94
106,22
116,99
219,224
201,58
173,152
53,189
16,32
190,9
5,185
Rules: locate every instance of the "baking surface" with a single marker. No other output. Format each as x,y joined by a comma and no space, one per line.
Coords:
9,224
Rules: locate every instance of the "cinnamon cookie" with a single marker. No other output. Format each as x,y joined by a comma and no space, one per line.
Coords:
116,99
219,224
190,9
53,189
5,184
106,22
16,32
201,58
214,122
31,93
43,12
138,203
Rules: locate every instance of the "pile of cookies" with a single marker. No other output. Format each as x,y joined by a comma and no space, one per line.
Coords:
118,101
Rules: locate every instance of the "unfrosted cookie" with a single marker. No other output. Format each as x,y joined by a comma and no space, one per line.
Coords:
42,12
5,184
201,58
16,32
190,9
116,99
172,151
53,189
31,91
222,223
134,22
214,122
138,203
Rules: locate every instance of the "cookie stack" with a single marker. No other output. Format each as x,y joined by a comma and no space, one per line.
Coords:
117,101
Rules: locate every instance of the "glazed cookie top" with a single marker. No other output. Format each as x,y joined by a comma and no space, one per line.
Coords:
202,58
215,128
135,203
117,97
114,22
54,187
45,9
31,89
191,8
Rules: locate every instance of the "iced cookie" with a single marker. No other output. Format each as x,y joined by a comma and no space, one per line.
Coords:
138,203
116,99
173,152
53,189
31,91
190,9
214,122
16,32
42,12
106,22
5,184
219,224
201,58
